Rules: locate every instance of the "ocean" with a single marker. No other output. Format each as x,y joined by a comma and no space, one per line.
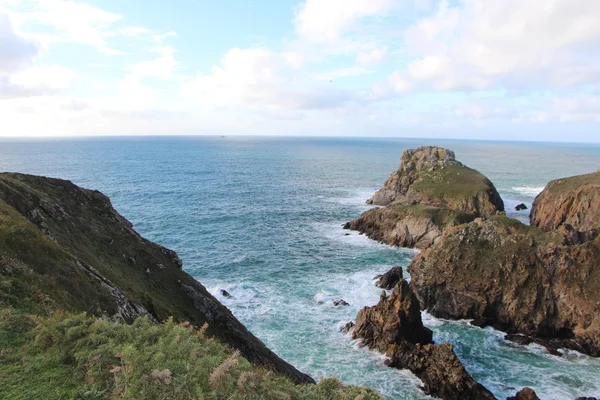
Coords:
262,217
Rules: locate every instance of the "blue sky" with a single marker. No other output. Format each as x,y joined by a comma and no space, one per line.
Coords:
482,69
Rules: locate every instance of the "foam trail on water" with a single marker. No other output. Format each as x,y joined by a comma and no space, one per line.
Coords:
531,191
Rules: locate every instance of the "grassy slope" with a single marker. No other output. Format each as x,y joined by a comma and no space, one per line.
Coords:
80,357
452,181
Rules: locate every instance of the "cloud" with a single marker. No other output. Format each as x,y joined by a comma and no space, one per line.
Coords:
161,67
371,58
327,21
259,78
16,51
481,44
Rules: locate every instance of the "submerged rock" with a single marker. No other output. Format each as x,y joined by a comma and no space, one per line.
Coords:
394,327
340,303
388,280
225,293
348,327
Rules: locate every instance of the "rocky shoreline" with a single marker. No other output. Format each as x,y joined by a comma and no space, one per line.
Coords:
537,283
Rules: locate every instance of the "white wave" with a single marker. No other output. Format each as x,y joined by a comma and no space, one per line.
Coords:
528,190
356,197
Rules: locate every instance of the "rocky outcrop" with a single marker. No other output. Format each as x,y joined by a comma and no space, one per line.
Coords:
415,226
429,192
519,278
394,327
67,247
432,176
388,280
524,394
570,201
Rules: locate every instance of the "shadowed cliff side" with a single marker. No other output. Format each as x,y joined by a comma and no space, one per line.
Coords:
65,247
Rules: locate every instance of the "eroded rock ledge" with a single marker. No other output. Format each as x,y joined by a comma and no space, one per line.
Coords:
394,327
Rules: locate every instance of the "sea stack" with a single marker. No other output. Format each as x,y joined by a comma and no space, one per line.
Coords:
429,192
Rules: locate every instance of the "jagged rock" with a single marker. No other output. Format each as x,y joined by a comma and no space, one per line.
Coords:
569,201
225,293
432,176
82,256
586,398
429,192
388,280
518,277
394,327
524,394
340,303
521,207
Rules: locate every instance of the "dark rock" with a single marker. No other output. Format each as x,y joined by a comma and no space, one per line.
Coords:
348,327
586,398
394,327
388,280
225,293
519,339
340,303
521,207
524,394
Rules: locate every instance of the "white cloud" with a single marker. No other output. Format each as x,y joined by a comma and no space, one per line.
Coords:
327,21
161,67
343,72
371,58
16,51
72,21
43,78
259,78
480,44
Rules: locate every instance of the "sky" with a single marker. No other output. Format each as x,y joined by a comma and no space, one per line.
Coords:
466,69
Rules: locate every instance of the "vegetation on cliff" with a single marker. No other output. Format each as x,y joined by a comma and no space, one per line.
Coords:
63,356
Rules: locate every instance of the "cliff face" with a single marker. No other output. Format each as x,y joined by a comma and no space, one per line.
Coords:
65,247
394,327
429,192
574,201
518,278
432,176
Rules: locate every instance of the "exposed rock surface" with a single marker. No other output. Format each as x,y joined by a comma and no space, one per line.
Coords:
524,394
521,207
394,327
64,245
414,226
429,192
432,176
388,280
571,201
519,278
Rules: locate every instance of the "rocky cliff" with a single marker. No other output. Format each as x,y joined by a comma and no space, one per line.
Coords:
519,279
573,201
394,327
429,192
64,247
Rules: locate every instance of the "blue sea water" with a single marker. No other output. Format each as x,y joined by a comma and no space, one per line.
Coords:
262,217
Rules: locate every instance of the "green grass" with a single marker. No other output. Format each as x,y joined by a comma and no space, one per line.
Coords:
569,185
64,356
441,217
454,181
